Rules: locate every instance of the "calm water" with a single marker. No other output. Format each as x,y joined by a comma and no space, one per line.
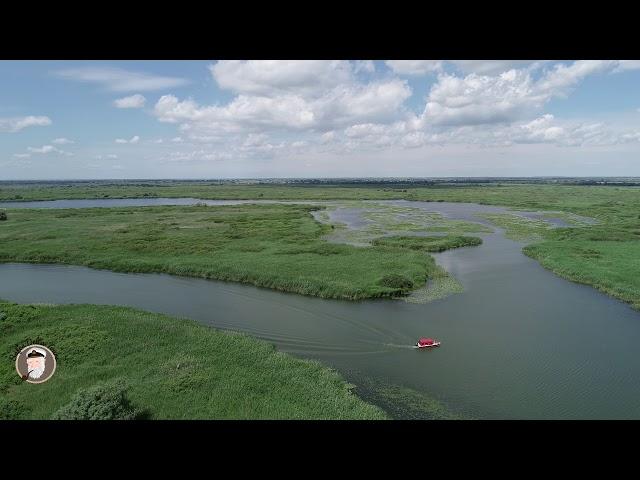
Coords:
518,343
126,202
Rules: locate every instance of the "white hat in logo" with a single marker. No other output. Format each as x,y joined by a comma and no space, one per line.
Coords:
35,351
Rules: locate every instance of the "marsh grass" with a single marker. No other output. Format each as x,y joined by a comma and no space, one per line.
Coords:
273,246
392,220
120,362
428,244
611,266
519,228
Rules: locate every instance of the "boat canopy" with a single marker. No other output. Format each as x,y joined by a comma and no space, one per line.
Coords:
426,341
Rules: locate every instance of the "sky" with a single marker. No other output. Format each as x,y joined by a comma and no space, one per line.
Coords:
318,118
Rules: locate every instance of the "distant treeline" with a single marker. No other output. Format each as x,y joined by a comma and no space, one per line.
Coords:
391,182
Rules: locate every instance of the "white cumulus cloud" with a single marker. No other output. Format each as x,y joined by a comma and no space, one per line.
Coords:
15,124
134,139
133,101
414,67
43,149
46,149
339,106
476,99
270,77
511,96
489,67
561,76
280,107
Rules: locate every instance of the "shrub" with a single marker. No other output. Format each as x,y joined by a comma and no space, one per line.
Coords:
3,216
106,401
394,280
10,409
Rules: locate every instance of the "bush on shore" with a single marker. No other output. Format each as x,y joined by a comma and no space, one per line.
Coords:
106,401
394,280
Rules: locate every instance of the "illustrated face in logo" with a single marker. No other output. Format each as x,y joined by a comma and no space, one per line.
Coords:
35,364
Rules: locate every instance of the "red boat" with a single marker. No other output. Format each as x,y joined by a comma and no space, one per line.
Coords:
427,343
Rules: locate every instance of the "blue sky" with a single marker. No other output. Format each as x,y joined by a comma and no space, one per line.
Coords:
240,119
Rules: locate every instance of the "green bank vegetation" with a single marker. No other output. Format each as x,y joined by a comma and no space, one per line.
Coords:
274,246
122,363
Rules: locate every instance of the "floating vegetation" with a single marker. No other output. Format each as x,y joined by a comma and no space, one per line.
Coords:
533,226
571,219
360,223
519,228
403,402
439,286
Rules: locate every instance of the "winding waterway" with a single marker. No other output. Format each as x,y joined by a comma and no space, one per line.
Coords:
519,342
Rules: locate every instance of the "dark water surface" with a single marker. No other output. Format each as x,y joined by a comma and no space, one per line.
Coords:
519,342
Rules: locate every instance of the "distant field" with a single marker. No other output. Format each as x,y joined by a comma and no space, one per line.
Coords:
524,195
159,367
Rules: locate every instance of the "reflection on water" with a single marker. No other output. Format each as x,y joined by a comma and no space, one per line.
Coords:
519,342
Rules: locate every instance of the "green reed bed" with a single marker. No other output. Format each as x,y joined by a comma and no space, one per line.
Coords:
159,367
274,246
